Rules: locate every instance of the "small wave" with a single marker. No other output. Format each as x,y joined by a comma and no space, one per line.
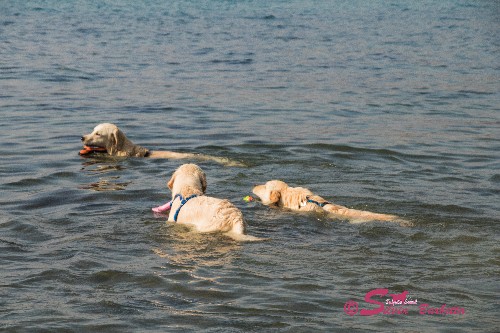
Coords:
456,209
10,246
288,38
475,92
495,178
380,152
54,274
58,197
245,61
456,241
113,277
364,151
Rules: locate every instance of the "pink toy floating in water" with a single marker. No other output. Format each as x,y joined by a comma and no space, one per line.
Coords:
162,209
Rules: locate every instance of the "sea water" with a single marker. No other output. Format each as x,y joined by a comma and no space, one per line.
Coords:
390,107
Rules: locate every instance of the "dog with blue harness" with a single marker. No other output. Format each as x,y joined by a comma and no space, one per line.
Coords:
278,193
192,207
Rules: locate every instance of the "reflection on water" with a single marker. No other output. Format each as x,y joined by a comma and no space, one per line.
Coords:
185,247
109,183
99,166
103,184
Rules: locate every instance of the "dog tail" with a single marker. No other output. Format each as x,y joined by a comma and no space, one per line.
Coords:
238,232
221,160
233,223
358,216
243,237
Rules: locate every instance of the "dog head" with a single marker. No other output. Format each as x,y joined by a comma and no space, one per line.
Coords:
109,136
187,180
106,136
278,193
270,193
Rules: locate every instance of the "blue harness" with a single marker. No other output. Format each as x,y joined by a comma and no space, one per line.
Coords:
322,204
183,202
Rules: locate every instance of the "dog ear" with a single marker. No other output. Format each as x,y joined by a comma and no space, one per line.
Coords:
117,140
274,196
170,183
203,179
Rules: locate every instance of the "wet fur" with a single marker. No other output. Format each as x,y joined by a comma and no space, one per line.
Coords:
204,213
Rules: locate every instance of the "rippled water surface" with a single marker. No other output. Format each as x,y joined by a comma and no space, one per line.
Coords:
384,106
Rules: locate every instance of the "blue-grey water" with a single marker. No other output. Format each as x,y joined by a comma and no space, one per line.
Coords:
385,106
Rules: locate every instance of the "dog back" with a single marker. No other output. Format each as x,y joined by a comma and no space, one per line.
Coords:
209,214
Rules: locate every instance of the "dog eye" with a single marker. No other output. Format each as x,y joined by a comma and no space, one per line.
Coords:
98,133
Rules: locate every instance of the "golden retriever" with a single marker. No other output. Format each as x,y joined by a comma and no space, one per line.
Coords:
115,143
278,193
191,206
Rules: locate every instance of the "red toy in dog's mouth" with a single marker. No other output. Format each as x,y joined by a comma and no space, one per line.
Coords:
92,149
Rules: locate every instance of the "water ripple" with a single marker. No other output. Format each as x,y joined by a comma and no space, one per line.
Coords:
390,108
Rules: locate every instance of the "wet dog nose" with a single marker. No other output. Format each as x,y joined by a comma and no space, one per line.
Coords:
82,138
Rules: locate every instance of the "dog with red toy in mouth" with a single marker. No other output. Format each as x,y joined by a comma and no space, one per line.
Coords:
108,138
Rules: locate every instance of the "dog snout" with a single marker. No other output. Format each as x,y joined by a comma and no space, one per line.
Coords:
82,138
